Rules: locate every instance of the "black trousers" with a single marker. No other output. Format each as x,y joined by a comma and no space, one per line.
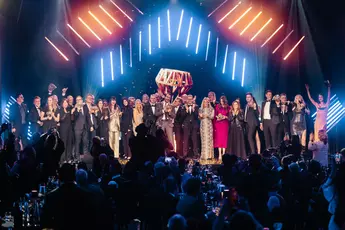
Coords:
270,133
90,138
190,132
283,128
66,136
251,137
125,141
80,137
179,139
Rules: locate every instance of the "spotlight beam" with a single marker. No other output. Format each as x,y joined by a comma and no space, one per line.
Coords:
99,22
227,14
169,32
208,44
225,58
70,45
300,40
189,29
244,14
215,60
198,41
251,22
270,37
57,49
243,71
111,66
121,10
109,15
218,7
140,12
102,72
130,53
234,67
261,29
79,36
88,27
280,44
179,25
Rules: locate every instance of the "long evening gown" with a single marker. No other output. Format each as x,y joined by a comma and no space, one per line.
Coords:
66,134
299,124
320,121
206,133
221,128
236,142
48,124
103,124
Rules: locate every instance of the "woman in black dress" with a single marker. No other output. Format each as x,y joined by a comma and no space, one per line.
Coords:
126,127
103,120
236,143
50,116
66,133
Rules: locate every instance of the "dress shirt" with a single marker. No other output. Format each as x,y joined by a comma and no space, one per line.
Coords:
91,117
267,115
153,107
38,110
190,108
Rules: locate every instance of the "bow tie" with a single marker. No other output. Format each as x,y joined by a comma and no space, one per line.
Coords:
153,105
268,100
190,106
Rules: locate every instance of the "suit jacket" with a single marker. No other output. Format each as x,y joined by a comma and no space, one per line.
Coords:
80,121
190,120
169,117
34,117
251,120
179,117
16,116
274,112
126,119
149,117
91,119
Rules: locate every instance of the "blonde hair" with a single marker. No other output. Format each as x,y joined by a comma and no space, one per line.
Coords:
299,96
203,102
138,101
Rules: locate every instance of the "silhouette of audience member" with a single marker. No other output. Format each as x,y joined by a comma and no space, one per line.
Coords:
177,222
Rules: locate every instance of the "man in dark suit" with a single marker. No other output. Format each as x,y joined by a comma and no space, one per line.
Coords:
34,116
91,119
190,126
178,121
150,117
270,120
80,127
18,117
165,117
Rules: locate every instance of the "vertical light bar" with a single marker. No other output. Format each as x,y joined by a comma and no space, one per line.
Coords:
234,67
229,12
121,60
198,41
99,22
102,73
79,36
169,32
208,44
280,44
251,22
88,27
57,49
70,45
215,60
243,71
179,26
244,14
122,11
112,18
189,29
295,46
140,46
159,32
261,29
111,65
150,51
130,53
225,58
269,38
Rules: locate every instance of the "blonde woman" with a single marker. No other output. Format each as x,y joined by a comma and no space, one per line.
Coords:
298,122
206,115
114,127
138,115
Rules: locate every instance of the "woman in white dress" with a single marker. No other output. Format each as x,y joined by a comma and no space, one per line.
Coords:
206,115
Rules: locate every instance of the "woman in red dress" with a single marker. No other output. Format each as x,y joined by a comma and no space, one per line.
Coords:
221,126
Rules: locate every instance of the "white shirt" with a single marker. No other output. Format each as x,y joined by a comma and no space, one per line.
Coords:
153,107
90,114
38,110
320,152
176,109
267,115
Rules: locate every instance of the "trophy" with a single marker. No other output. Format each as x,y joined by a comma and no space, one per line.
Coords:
51,88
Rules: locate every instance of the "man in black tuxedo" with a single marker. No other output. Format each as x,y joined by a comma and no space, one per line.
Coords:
178,121
34,116
91,119
165,117
190,112
80,127
285,114
150,117
18,117
270,120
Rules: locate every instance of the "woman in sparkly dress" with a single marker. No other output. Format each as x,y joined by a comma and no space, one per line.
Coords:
321,111
221,126
206,115
298,122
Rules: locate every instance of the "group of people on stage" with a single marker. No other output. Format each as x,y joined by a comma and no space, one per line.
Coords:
226,127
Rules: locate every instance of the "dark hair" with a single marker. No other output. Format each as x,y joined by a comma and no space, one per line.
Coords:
37,97
63,100
193,186
283,94
224,99
18,95
268,91
67,173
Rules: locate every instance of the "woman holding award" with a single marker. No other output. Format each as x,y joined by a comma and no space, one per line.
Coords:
206,115
49,116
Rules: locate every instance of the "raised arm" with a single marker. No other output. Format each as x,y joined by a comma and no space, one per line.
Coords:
328,95
309,96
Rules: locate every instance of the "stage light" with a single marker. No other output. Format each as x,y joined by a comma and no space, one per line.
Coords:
269,38
234,67
218,7
227,14
336,120
261,29
215,61
251,22
179,25
109,15
225,57
135,7
140,46
244,14
150,51
102,72
280,44
121,60
70,45
198,41
93,32
294,48
243,71
111,66
338,111
130,53
208,44
159,32
333,110
57,49
169,32
121,11
189,29
99,22
79,36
